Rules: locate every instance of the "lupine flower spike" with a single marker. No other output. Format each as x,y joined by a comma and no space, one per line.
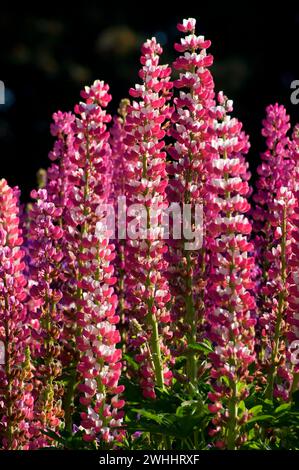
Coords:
189,169
147,287
16,400
231,305
273,215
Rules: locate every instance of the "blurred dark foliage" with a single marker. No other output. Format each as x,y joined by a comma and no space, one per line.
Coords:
47,56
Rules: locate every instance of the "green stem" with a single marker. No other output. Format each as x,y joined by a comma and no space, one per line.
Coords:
294,383
191,316
233,414
151,317
69,402
121,298
233,402
155,348
281,308
167,443
196,440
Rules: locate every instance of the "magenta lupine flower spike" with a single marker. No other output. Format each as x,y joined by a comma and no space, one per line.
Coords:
273,171
120,175
290,371
119,149
230,319
90,255
189,171
48,272
273,215
45,261
16,400
146,285
58,184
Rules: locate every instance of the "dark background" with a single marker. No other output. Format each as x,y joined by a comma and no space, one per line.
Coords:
47,56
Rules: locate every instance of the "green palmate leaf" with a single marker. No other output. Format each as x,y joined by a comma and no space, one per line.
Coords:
242,406
150,415
180,428
260,418
268,403
225,379
53,435
282,408
204,346
255,410
189,408
131,361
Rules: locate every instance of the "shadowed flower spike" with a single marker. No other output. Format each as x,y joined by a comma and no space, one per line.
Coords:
292,369
273,214
16,400
120,175
46,255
